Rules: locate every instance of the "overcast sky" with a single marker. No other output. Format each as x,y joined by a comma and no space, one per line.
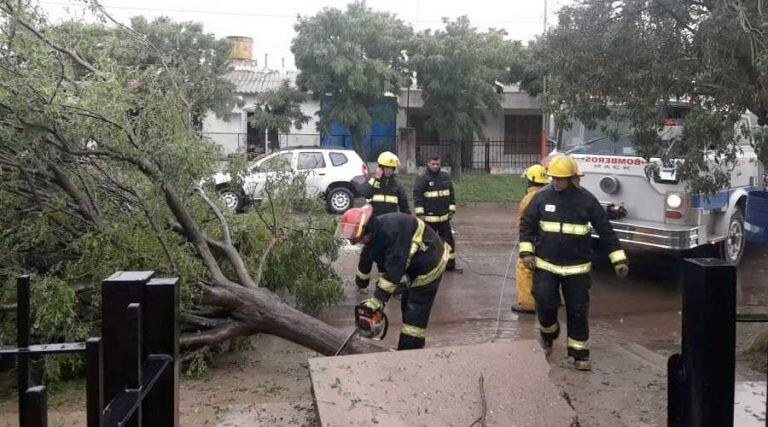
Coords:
270,23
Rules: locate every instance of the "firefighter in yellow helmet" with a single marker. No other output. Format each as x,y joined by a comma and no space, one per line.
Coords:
555,242
537,178
385,195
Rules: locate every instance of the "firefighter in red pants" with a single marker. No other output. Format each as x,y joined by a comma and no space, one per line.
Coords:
558,221
401,245
435,203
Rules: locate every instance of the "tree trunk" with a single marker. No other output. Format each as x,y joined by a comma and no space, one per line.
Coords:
357,143
257,310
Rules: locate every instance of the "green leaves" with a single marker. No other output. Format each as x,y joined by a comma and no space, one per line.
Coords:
460,71
350,61
98,168
278,109
647,55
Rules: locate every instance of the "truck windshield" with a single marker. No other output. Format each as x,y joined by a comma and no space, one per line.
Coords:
625,144
606,145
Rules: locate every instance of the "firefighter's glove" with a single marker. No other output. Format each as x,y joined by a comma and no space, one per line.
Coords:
622,270
362,283
373,304
529,262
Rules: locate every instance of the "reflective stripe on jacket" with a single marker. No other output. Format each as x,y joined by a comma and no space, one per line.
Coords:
401,244
556,228
386,196
433,196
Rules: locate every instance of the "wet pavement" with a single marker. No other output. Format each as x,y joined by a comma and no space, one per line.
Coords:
635,323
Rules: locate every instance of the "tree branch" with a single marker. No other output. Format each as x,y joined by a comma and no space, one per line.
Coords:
216,211
263,263
85,207
72,54
7,308
203,322
216,335
229,251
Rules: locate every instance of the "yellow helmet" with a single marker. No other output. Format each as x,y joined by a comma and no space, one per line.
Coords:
579,173
388,158
537,174
562,167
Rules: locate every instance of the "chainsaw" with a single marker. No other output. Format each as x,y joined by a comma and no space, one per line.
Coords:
371,324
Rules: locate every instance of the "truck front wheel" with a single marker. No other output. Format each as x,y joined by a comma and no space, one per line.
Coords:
732,248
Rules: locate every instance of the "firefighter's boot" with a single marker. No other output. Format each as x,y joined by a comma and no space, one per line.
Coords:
546,345
518,308
547,336
580,359
582,364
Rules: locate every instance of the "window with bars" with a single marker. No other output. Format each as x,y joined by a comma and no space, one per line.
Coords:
522,134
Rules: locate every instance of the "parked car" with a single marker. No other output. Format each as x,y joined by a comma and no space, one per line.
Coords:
335,174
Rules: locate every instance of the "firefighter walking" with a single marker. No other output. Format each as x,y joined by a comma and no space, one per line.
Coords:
435,203
555,243
537,178
401,245
385,195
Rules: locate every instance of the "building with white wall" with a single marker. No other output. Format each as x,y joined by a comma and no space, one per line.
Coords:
233,133
512,137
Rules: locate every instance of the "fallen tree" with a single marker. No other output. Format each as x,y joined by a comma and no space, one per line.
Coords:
100,170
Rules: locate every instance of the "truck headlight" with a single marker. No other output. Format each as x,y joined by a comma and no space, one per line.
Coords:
674,200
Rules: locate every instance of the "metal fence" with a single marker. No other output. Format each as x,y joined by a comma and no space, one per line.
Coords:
132,370
497,156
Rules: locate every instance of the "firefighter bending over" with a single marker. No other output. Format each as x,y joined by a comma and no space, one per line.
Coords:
401,245
555,239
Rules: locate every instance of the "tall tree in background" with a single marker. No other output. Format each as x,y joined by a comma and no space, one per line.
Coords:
351,61
277,110
643,54
459,71
99,171
199,55
165,44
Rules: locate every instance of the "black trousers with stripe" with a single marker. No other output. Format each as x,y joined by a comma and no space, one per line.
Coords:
546,292
416,305
443,230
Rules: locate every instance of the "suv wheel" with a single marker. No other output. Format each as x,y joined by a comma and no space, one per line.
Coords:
339,200
232,199
732,248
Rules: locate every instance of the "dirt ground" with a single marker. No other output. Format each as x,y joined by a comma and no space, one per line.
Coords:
635,326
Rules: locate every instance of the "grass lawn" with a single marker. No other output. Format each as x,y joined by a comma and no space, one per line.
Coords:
477,188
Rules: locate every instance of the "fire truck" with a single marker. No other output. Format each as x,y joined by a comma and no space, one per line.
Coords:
656,210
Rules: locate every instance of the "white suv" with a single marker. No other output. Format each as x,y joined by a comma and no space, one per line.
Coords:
333,173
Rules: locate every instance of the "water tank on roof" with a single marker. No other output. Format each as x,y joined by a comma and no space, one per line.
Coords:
242,49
